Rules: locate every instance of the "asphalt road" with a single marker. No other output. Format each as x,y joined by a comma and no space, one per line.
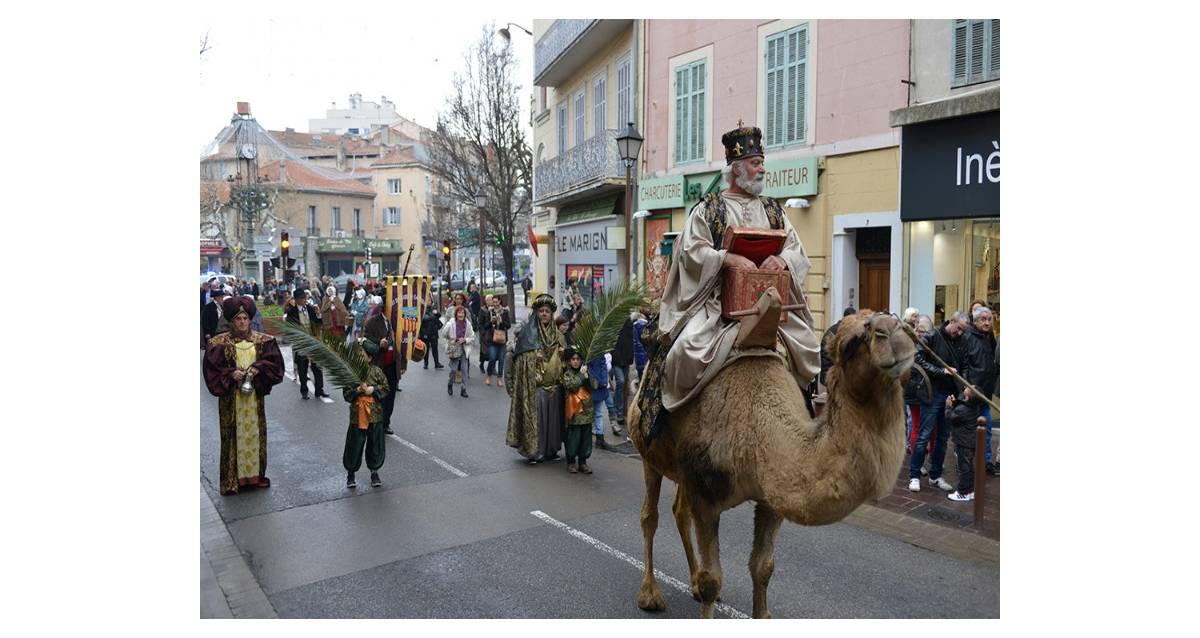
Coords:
463,529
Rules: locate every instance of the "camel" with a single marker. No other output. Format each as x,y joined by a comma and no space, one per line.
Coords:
749,436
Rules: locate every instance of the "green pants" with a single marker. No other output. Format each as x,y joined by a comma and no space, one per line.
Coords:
579,443
356,440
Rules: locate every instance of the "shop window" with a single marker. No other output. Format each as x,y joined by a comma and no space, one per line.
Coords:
976,54
985,265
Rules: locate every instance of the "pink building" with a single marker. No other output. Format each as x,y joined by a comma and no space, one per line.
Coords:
821,90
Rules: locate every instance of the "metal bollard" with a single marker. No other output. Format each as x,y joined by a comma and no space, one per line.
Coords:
979,463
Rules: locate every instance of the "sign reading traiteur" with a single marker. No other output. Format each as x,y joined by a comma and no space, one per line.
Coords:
790,177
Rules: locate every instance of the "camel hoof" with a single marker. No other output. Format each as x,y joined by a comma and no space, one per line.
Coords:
765,616
651,599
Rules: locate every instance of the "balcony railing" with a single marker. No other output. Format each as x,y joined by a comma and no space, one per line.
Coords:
557,38
313,231
588,164
358,232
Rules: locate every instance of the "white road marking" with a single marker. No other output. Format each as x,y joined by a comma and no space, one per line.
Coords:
611,551
449,468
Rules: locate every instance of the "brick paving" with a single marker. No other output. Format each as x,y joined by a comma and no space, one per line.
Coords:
930,505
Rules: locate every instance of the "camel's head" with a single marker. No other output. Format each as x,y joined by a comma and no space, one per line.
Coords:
875,340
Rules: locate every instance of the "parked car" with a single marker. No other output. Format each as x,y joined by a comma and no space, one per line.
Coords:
341,280
221,277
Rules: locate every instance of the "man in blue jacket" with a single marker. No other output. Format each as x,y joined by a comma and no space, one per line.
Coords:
598,372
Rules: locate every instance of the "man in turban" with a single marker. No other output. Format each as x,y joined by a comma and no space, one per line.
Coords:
240,368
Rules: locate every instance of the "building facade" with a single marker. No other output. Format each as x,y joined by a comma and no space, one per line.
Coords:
950,167
585,92
821,91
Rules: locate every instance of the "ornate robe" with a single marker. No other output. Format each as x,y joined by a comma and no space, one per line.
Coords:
691,307
243,417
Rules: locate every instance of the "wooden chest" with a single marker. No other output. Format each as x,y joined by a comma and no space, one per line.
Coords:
741,288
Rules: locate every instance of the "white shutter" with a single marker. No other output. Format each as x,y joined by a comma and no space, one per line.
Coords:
680,112
579,101
772,83
624,93
601,103
562,128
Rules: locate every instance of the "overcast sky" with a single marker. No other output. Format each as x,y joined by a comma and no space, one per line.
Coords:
291,65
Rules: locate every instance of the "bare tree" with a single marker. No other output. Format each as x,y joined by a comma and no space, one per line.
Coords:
221,219
204,47
479,142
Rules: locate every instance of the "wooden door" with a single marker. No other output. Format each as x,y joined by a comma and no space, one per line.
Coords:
874,278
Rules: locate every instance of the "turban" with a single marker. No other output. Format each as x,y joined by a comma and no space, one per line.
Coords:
544,300
233,305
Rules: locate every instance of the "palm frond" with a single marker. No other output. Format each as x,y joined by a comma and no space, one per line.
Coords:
343,366
597,332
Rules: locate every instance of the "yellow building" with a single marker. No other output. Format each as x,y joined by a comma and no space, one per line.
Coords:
584,94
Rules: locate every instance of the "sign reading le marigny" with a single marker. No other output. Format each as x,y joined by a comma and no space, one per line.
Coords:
583,242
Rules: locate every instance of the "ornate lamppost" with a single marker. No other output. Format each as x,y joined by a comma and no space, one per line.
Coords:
629,144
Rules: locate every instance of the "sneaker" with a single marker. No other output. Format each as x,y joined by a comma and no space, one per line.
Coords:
941,484
914,485
304,396
350,484
388,430
438,366
600,442
375,482
955,496
322,394
463,392
584,469
450,389
993,469
573,469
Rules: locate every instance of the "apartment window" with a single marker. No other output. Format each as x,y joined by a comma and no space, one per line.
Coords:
391,216
541,99
337,218
976,51
562,128
357,221
599,103
624,92
394,186
312,220
689,111
786,87
580,99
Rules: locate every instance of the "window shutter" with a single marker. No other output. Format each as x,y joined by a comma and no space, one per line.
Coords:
995,46
975,73
601,102
698,150
680,111
960,52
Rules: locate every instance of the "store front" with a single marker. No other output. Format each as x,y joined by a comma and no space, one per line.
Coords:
211,255
348,255
950,208
585,254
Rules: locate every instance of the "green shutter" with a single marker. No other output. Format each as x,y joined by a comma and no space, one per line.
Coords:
786,84
977,40
689,112
994,43
960,53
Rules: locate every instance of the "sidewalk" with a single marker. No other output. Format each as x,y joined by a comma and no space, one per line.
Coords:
931,505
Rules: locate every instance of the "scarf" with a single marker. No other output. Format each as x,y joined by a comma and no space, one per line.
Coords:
363,404
460,329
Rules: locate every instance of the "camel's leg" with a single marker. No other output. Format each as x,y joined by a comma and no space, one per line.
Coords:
650,598
683,520
707,521
762,556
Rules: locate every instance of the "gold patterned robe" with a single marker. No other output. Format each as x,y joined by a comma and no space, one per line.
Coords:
243,418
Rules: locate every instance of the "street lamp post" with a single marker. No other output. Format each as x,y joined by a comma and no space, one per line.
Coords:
480,203
504,33
629,144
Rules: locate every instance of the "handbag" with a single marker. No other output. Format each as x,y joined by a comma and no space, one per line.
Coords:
499,337
454,349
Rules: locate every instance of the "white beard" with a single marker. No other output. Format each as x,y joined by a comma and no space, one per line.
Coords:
752,186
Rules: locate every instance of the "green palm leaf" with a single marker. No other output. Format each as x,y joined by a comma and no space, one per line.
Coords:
597,332
344,367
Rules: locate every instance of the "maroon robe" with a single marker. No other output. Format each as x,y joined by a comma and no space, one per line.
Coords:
219,365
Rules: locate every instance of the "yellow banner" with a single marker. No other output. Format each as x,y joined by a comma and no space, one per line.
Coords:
405,302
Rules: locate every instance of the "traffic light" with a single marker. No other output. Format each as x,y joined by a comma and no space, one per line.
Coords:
446,250
499,239
284,244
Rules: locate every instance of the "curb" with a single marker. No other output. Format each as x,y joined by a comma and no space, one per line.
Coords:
931,536
243,595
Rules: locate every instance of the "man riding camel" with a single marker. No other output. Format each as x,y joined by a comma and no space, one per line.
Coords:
701,341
